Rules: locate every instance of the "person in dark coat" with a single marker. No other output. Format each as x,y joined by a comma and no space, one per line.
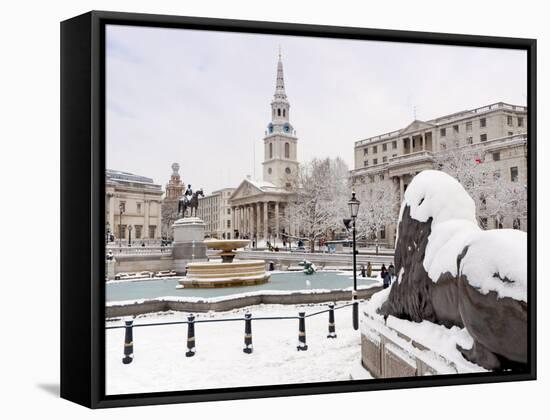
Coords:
391,271
385,276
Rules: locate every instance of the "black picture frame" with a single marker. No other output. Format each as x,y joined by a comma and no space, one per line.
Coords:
83,203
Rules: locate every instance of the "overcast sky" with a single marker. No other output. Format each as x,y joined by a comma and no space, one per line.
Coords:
202,99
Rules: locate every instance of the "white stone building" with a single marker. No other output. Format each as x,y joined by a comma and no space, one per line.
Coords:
258,206
132,206
498,131
215,211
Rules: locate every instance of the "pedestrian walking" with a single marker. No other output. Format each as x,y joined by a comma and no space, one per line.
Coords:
391,271
369,269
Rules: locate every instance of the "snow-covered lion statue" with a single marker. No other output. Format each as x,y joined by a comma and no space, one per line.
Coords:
451,272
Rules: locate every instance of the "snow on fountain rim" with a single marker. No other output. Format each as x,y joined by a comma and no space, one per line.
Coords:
438,195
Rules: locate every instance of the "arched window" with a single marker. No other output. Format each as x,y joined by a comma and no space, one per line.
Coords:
284,112
287,150
278,112
270,150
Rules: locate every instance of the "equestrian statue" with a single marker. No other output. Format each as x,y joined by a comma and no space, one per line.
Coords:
189,200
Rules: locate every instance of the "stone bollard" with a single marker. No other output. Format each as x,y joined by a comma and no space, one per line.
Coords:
247,333
331,325
355,312
190,336
302,346
128,343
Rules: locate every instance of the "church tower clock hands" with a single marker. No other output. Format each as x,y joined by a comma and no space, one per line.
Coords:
280,156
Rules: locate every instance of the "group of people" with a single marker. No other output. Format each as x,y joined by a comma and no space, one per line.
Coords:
387,274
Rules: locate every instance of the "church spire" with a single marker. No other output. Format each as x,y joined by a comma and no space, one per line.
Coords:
280,83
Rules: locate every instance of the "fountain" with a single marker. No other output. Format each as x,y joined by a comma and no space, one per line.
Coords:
225,273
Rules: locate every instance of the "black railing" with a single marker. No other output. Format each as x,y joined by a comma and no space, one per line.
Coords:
247,318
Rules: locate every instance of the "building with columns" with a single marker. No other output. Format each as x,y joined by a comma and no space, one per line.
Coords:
498,131
173,193
258,206
132,206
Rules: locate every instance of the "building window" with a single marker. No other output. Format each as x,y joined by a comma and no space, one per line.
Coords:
287,170
381,177
122,206
394,155
270,150
229,211
366,163
229,224
278,112
483,137
509,120
394,144
510,133
138,208
375,161
496,156
455,128
284,112
374,149
122,231
385,147
469,126
442,132
483,122
152,230
365,151
385,159
287,150
514,174
469,140
520,121
139,229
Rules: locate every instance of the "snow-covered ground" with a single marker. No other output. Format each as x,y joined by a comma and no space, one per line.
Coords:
160,363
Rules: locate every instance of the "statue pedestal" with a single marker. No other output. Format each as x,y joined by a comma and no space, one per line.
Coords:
188,245
110,268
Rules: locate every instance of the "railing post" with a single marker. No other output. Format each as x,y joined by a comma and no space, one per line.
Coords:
128,343
302,332
331,326
190,336
247,333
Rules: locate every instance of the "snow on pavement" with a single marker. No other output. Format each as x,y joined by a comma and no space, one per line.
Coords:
159,352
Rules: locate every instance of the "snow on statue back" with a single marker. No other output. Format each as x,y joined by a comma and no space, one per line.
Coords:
454,273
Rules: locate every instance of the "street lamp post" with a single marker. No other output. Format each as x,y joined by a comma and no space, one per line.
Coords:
354,209
129,235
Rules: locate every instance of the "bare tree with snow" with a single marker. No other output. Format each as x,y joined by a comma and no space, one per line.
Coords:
379,208
320,195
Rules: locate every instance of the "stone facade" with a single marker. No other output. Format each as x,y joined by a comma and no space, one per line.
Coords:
498,130
215,211
132,206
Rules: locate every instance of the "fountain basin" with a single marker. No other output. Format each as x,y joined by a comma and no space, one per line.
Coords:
224,274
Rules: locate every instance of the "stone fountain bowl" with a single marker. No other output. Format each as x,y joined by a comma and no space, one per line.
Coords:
226,245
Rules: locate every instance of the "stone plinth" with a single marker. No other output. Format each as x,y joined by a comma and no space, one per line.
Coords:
110,267
214,274
188,245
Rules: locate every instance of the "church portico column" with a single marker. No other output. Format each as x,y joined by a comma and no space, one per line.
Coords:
265,219
276,220
111,213
401,187
145,233
258,220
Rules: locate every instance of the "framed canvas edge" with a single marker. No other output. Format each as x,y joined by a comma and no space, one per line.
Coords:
93,242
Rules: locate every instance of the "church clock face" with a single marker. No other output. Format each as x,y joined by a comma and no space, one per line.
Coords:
287,170
286,128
